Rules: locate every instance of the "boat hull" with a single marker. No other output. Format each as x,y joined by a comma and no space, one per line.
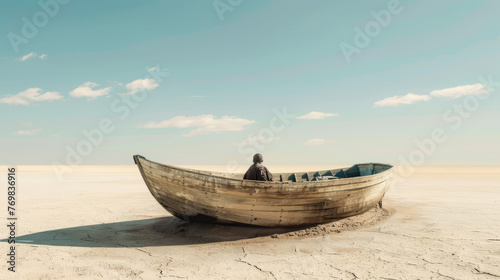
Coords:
196,195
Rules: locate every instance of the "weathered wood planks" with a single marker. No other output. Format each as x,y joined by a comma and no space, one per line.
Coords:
218,197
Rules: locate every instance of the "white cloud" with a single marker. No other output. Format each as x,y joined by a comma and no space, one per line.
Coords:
316,116
28,56
453,92
204,124
259,139
456,92
87,90
32,55
31,95
410,98
315,142
28,132
156,69
141,84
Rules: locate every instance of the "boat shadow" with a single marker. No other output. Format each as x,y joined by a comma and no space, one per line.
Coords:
166,231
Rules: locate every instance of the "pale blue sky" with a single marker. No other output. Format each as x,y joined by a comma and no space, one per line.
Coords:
263,56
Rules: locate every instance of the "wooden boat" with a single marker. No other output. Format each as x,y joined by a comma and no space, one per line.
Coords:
298,199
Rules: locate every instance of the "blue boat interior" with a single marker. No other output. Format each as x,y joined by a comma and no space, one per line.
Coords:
356,170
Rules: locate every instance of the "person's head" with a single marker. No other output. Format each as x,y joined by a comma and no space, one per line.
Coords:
257,158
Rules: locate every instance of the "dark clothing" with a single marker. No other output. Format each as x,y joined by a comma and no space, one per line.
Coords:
258,172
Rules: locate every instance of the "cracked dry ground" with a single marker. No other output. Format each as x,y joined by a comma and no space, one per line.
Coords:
441,226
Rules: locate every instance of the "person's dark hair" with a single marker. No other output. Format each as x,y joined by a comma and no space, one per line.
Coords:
257,158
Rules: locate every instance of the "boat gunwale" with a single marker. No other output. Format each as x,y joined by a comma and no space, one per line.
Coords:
318,183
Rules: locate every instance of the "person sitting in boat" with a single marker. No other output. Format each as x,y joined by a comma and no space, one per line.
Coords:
258,171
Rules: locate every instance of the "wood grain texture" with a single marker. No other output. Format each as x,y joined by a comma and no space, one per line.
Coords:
226,198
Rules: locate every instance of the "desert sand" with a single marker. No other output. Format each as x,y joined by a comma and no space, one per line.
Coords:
102,222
